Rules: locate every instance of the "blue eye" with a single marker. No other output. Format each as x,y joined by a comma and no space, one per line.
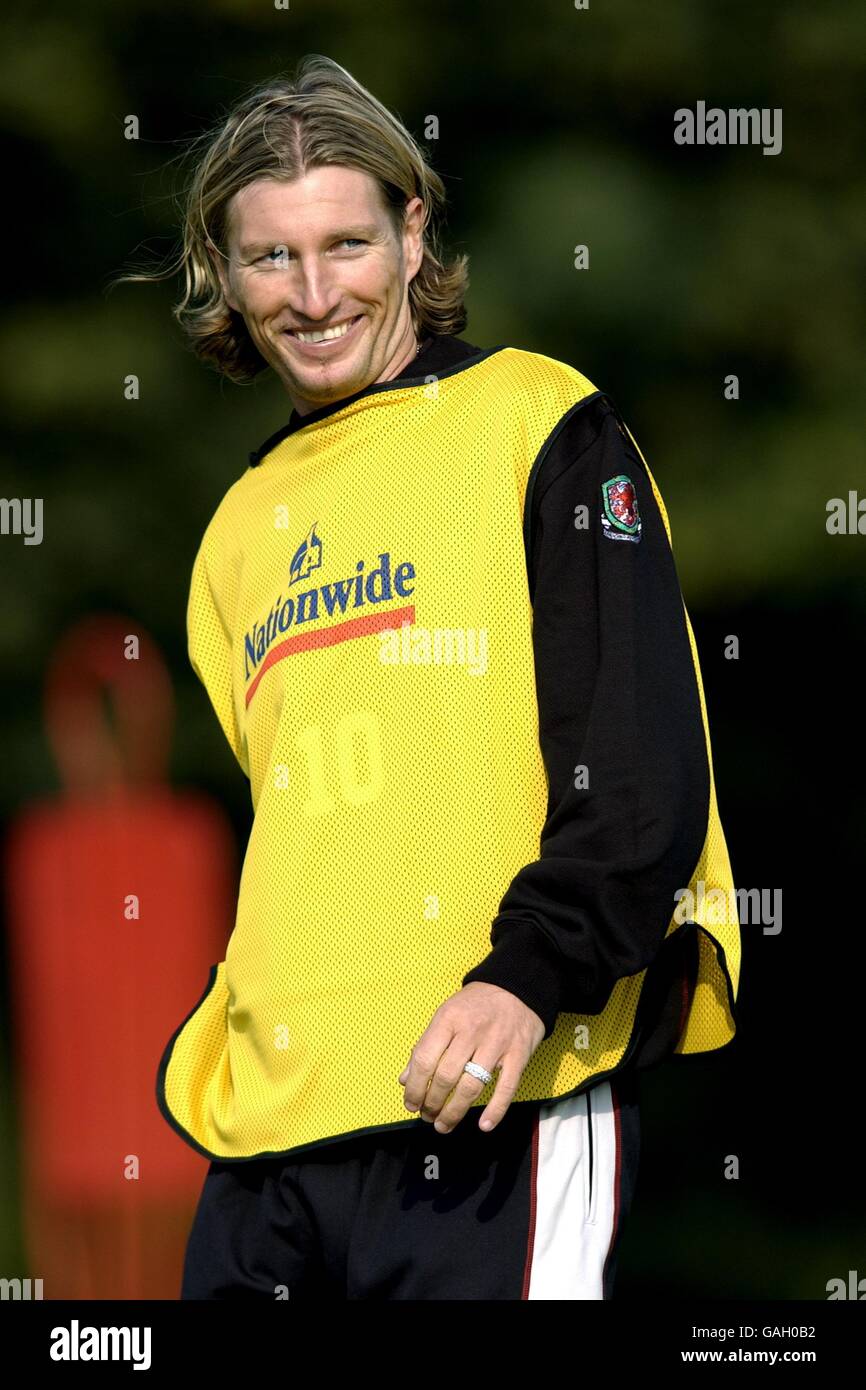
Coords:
281,254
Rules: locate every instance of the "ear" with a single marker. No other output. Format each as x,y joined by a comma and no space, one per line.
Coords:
413,222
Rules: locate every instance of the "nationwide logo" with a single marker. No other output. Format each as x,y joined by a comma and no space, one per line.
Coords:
365,589
307,557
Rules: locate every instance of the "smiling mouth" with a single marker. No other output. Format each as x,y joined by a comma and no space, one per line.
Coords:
328,335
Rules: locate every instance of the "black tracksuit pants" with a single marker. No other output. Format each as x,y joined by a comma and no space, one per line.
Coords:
532,1209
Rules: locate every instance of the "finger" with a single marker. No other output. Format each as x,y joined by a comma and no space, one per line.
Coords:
465,1093
424,1061
506,1088
448,1074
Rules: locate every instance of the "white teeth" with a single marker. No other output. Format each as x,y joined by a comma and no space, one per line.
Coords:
338,331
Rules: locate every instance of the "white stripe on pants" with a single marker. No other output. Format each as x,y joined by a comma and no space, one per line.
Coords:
574,1221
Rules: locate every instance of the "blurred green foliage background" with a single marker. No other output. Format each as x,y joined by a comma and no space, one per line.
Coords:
555,129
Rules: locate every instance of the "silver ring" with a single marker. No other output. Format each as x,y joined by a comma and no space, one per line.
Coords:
479,1072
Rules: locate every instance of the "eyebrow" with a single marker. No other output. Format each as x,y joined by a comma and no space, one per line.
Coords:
339,235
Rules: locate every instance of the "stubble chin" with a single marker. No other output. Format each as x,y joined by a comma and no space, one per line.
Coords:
319,384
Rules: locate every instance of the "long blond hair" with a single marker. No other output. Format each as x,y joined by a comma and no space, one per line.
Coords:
281,129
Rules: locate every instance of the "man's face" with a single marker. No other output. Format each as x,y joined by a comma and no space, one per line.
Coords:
310,255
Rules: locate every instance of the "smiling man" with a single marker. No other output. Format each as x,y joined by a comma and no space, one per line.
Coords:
348,322
415,1072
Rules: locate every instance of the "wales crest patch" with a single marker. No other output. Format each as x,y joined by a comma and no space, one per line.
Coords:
621,519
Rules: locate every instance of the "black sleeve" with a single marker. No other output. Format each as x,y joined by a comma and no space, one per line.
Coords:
620,729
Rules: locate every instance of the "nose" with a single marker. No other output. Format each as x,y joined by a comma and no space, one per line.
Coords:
313,295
